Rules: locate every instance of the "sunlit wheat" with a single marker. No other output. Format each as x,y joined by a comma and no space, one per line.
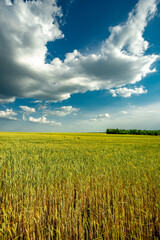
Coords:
79,186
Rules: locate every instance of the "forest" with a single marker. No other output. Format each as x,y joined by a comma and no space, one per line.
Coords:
133,131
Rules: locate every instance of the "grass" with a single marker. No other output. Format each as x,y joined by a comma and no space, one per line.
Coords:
79,186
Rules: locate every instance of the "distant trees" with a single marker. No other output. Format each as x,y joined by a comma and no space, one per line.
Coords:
132,131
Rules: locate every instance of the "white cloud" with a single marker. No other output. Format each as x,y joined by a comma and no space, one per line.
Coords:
27,109
62,111
7,100
106,115
44,120
8,114
24,117
127,92
123,112
128,38
101,117
35,120
94,119
121,60
8,2
37,101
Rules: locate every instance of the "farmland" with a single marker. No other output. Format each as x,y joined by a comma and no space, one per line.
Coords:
79,186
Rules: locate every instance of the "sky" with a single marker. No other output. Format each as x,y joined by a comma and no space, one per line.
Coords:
79,65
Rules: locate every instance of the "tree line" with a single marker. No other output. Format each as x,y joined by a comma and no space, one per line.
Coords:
132,131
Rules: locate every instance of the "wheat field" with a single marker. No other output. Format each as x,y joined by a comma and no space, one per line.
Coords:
79,186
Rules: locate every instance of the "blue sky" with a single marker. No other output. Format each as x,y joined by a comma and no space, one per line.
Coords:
79,66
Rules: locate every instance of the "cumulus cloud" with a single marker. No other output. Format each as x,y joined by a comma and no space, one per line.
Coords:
100,117
127,92
27,109
44,120
8,2
62,111
7,100
23,46
129,36
8,114
25,73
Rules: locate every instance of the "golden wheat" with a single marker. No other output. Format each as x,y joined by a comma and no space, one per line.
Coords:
79,186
